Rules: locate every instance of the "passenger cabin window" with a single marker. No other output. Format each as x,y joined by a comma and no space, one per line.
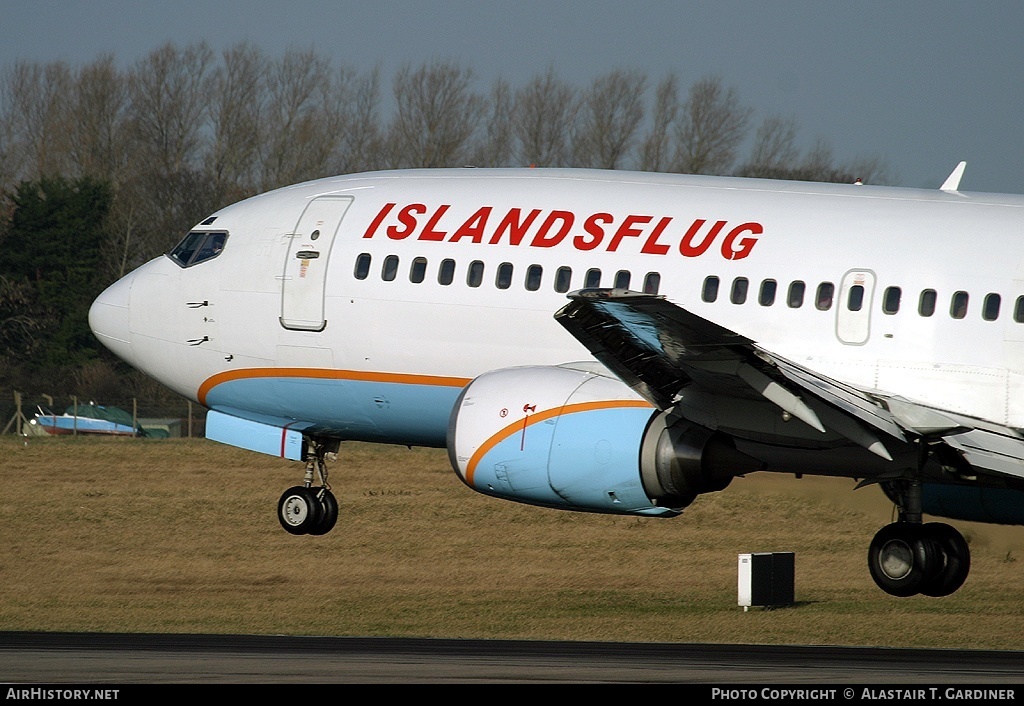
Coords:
563,279
795,299
766,297
390,268
362,270
855,300
418,271
990,307
710,291
503,280
823,299
446,273
533,277
475,274
739,290
652,282
1018,310
622,278
593,279
958,305
198,246
926,305
891,300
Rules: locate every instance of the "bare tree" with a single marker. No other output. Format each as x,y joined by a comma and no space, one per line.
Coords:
711,127
100,102
610,114
38,117
437,116
124,251
236,107
495,148
300,132
185,131
774,148
358,101
544,115
656,148
10,159
818,160
775,155
169,103
871,169
818,164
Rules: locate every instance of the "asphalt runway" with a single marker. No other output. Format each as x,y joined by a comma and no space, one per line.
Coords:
78,658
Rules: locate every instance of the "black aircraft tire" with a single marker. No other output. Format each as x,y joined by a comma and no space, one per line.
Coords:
955,560
901,559
298,510
328,514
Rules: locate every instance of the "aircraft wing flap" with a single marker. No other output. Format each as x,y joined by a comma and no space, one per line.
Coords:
846,398
654,346
992,451
659,348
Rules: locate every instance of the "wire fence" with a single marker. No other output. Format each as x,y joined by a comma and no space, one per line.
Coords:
38,414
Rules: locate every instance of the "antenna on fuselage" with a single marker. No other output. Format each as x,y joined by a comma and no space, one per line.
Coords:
952,182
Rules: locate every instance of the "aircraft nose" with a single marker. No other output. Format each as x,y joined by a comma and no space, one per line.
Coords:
109,318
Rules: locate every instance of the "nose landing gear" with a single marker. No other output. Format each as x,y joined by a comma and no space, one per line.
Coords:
305,509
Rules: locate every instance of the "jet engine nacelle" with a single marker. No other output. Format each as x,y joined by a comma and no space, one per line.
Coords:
1003,506
576,438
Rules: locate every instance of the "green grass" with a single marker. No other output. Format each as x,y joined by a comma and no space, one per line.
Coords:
182,536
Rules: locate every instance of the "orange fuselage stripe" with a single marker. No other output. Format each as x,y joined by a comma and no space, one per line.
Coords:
326,374
520,425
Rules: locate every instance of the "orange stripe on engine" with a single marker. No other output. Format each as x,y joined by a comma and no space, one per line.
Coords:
518,426
326,374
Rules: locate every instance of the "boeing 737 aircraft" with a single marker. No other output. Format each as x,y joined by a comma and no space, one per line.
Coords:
610,342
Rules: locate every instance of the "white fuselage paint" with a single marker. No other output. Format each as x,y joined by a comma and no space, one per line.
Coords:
158,316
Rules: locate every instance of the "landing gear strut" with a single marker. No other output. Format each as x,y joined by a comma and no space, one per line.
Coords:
305,509
908,558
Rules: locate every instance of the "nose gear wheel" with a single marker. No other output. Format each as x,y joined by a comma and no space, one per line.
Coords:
308,509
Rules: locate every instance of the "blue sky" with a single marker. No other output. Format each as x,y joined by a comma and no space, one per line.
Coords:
921,84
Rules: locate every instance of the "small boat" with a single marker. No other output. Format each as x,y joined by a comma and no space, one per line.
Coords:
88,419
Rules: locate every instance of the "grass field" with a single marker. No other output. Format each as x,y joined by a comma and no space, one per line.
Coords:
182,536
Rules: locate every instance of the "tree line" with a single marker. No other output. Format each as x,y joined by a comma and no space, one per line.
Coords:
103,167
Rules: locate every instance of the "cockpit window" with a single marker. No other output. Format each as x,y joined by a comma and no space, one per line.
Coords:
198,246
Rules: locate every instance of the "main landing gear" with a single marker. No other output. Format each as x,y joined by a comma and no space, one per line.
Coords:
908,558
305,509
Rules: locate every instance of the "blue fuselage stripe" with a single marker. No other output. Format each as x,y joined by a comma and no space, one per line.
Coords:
355,410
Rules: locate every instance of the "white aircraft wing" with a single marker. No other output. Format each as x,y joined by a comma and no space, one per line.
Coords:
659,349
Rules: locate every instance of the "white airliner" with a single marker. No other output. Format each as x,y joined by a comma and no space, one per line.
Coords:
610,341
